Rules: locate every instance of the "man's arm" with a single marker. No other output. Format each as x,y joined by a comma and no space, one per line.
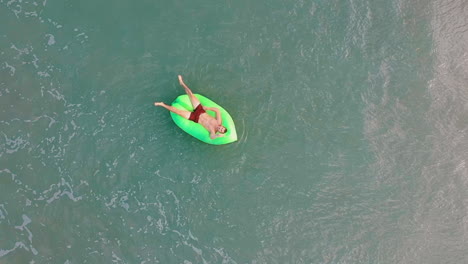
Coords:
214,135
218,114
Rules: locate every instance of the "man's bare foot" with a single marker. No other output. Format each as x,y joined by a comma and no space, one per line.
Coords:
158,104
180,80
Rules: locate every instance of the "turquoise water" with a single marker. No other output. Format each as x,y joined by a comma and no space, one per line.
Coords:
351,116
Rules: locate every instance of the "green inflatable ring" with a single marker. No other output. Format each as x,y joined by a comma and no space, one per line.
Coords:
198,131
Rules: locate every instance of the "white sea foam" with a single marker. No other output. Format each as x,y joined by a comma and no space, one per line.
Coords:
11,68
51,40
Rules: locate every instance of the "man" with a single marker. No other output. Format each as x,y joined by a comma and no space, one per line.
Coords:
199,115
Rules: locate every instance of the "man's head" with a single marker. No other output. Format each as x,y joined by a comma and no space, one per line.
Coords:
221,129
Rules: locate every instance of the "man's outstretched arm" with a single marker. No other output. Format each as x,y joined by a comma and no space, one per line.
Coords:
214,135
218,114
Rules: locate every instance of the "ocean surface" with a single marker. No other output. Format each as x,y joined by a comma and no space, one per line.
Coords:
352,117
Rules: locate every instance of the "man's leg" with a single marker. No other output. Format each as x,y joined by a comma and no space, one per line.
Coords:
194,100
182,113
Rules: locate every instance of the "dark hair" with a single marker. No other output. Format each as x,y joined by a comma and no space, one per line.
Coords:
225,129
